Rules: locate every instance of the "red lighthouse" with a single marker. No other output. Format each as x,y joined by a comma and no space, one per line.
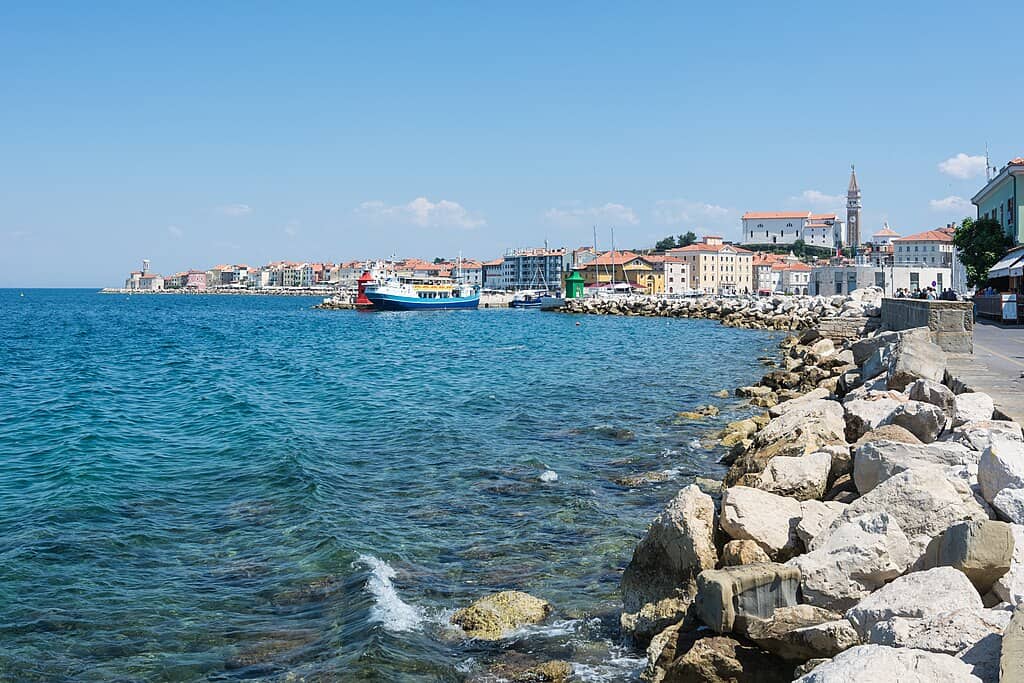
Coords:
361,301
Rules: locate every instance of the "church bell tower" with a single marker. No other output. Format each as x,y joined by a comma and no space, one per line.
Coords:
853,211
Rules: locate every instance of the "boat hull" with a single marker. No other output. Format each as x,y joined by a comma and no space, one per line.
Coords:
395,302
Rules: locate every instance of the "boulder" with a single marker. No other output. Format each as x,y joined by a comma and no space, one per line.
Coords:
972,408
822,349
864,415
736,432
915,358
490,617
880,663
1010,586
876,461
934,393
982,550
736,553
804,477
801,430
923,420
720,659
924,502
1011,659
978,435
857,557
1001,466
678,546
727,597
815,517
786,406
917,595
754,391
802,632
877,364
888,432
863,348
1009,503
767,519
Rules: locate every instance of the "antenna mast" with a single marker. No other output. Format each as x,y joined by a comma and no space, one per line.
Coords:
988,164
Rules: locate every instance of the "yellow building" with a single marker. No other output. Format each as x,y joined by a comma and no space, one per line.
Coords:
717,268
646,272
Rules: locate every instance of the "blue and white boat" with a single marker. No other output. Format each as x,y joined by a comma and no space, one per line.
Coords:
421,294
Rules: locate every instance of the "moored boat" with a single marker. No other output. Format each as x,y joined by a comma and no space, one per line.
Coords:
529,298
420,294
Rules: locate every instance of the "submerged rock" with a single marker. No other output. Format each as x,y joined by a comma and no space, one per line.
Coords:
490,617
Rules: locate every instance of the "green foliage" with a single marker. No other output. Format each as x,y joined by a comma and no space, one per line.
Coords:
799,248
687,239
982,243
438,259
665,244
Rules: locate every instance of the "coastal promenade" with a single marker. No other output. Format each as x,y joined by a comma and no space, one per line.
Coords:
996,366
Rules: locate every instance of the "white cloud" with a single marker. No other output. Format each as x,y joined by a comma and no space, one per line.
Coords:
574,214
175,231
292,229
819,199
234,210
963,166
951,204
424,213
676,211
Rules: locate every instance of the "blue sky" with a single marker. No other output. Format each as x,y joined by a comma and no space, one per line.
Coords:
199,133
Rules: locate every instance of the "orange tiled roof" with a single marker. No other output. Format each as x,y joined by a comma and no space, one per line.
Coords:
823,216
710,247
496,262
927,236
613,257
753,215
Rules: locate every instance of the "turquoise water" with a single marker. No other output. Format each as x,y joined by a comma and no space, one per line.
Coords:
242,488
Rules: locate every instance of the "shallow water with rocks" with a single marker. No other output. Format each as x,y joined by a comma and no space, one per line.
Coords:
243,488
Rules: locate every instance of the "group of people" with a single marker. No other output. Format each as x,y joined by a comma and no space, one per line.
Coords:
927,293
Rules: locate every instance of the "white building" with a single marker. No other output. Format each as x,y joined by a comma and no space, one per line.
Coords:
677,276
533,269
490,273
782,227
932,247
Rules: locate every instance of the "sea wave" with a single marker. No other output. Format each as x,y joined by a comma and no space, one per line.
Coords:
389,610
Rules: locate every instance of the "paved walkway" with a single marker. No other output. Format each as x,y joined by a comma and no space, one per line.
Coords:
996,366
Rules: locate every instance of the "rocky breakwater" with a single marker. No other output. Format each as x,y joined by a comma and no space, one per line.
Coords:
871,528
762,313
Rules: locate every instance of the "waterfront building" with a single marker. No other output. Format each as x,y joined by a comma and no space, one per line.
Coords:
195,280
581,256
607,267
786,227
766,278
677,276
535,268
140,281
841,276
853,207
716,267
491,274
646,271
176,281
472,272
1002,199
931,247
793,278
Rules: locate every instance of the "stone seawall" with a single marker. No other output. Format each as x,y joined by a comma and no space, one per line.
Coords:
951,322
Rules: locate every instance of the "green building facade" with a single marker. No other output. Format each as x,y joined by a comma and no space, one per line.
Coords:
1002,198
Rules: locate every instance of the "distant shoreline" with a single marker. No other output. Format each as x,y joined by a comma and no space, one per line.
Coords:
225,292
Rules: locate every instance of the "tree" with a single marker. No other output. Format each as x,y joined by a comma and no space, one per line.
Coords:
799,248
687,239
667,243
982,243
438,260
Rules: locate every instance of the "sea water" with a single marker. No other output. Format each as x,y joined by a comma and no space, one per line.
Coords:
216,488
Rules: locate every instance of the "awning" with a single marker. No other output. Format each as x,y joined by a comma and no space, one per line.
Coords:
1012,260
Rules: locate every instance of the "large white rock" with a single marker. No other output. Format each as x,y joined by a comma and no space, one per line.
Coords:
878,664
804,427
1001,466
978,435
949,632
762,517
804,477
972,407
876,461
863,415
816,516
923,501
678,546
857,557
1009,503
781,409
932,392
923,420
915,358
1010,586
917,595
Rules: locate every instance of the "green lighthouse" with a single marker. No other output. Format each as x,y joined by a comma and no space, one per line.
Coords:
574,285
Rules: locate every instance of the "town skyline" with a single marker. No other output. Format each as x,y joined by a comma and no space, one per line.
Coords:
342,133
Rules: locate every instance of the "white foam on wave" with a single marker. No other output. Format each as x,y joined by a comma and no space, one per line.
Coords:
389,610
617,668
548,476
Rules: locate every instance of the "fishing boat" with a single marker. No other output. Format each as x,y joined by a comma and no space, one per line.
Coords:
528,298
398,293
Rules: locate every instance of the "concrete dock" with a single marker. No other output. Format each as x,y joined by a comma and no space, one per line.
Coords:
995,367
